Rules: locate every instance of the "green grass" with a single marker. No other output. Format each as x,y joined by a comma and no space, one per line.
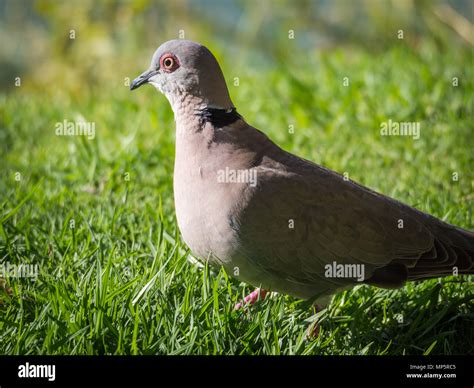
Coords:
119,282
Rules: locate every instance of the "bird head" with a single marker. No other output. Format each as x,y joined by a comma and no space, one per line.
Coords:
182,68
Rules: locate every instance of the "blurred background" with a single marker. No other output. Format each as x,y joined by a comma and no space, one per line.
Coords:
114,39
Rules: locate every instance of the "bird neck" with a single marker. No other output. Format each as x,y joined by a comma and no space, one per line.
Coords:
192,113
218,117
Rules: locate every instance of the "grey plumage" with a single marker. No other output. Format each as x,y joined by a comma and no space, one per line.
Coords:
282,232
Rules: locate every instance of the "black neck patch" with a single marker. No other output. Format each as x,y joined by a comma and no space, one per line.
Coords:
219,117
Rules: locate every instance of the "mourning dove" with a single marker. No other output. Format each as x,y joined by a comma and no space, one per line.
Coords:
278,221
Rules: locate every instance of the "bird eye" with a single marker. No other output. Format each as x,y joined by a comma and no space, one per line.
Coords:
169,63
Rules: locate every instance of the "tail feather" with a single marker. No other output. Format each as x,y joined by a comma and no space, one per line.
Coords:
452,253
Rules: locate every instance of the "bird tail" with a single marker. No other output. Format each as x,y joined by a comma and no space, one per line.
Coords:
451,254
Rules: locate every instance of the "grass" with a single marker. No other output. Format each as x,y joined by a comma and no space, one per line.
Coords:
97,216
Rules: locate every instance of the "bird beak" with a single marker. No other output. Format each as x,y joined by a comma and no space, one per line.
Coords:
142,79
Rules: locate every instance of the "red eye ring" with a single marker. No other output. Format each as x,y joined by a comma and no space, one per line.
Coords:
169,62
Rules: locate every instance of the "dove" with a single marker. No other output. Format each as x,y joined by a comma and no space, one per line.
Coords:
275,220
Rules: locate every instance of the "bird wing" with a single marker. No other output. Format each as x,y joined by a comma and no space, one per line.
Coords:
301,217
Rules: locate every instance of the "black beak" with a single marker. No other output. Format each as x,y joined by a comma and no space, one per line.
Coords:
142,79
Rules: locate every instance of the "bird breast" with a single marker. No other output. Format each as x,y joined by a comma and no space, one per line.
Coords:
205,204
